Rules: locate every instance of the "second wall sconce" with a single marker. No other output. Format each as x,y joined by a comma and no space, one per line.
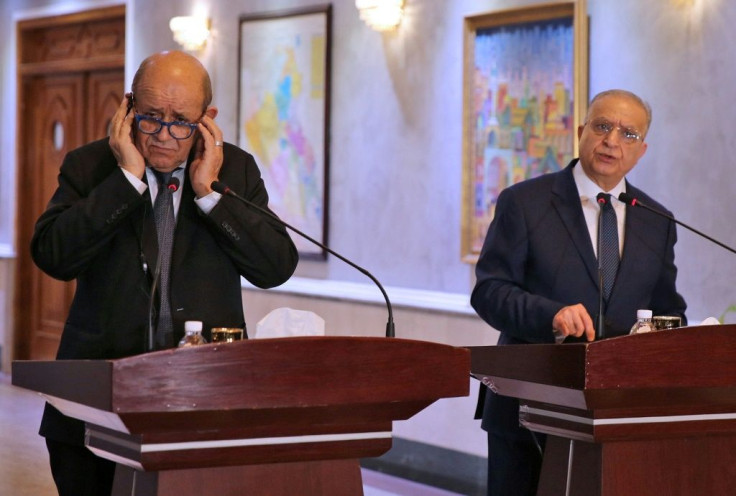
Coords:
381,15
191,32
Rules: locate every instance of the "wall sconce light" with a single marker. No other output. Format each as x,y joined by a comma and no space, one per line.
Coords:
381,15
191,32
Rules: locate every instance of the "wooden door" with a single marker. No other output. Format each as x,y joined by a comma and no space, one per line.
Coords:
71,70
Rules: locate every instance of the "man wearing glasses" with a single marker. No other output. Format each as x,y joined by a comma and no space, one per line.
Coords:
105,228
538,278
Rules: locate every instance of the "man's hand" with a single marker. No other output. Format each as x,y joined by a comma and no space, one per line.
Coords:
121,139
574,320
207,162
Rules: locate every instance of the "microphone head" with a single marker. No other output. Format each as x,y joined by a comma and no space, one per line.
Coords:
173,184
602,198
627,198
220,187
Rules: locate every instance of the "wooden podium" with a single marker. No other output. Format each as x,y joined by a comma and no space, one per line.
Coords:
256,417
651,414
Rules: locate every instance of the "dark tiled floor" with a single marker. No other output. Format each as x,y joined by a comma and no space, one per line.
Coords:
377,484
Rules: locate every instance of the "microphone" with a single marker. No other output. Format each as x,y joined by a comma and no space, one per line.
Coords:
602,199
173,186
634,202
223,189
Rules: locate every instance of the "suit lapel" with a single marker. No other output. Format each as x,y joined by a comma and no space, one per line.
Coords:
183,233
149,239
566,200
632,243
186,222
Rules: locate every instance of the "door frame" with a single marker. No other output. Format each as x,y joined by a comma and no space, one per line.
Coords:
9,154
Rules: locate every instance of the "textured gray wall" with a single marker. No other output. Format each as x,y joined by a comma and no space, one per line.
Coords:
395,179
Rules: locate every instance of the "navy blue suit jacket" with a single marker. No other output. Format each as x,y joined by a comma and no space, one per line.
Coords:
538,257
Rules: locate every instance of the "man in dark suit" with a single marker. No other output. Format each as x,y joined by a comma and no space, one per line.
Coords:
99,229
537,274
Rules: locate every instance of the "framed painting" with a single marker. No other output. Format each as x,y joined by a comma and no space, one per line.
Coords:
284,113
524,95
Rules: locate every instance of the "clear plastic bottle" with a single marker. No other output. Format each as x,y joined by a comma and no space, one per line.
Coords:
643,322
192,334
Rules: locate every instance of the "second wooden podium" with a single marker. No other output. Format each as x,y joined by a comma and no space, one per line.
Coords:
257,417
645,415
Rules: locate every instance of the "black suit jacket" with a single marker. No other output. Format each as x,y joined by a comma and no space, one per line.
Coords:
538,257
99,230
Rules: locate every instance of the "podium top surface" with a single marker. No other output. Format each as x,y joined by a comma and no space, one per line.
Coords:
252,401
283,373
680,365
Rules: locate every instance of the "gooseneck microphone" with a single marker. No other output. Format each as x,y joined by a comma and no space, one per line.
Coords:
634,202
173,186
602,198
223,189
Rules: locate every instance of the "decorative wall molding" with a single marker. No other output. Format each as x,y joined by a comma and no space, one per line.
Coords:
455,303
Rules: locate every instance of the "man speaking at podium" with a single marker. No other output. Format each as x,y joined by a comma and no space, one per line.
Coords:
540,277
104,228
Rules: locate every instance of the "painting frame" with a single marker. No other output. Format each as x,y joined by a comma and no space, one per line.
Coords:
283,114
516,135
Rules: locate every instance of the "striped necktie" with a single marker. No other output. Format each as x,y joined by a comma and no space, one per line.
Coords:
163,213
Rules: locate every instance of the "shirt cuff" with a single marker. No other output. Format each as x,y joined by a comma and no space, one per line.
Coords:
207,203
139,185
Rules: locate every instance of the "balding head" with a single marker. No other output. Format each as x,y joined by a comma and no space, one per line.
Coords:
174,65
624,94
170,87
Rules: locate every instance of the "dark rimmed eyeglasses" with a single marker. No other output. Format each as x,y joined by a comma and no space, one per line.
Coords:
603,127
179,130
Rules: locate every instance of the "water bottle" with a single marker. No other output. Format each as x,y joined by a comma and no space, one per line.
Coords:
192,334
643,322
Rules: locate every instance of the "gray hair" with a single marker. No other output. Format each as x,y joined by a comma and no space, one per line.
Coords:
626,94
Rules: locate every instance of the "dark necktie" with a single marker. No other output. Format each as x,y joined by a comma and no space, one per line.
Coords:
608,246
163,213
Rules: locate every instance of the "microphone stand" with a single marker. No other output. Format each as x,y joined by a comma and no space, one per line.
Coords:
601,198
634,202
223,189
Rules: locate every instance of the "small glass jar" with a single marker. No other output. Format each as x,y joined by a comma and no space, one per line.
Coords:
226,334
664,322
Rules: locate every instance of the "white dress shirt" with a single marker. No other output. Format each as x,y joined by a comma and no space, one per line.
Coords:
205,204
588,191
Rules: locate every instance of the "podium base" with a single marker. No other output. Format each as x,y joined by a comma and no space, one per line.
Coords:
312,478
678,466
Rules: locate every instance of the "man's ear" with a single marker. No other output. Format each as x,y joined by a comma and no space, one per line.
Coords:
211,112
642,150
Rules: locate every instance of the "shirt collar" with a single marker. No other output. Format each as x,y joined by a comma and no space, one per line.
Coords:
177,173
588,190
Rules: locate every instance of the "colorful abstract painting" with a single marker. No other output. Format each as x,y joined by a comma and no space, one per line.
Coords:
519,112
283,115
